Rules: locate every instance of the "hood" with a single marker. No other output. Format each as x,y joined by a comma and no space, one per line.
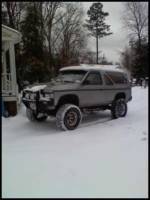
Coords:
35,87
58,86
52,86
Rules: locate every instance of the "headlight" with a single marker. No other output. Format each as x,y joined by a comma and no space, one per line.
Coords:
46,96
51,95
32,96
27,95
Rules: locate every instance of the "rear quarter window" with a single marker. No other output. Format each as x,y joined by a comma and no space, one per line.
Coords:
118,77
107,80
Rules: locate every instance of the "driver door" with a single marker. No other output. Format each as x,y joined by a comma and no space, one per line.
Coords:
91,90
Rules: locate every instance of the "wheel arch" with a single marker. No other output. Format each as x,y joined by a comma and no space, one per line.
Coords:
68,99
120,95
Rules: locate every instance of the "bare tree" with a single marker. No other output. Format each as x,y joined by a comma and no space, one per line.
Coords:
49,19
135,18
72,38
14,11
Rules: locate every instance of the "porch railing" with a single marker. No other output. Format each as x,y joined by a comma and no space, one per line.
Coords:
6,83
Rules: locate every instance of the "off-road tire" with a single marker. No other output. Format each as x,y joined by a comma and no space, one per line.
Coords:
63,120
116,105
34,117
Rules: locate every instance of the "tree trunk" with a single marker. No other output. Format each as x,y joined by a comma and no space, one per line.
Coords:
10,15
96,48
139,37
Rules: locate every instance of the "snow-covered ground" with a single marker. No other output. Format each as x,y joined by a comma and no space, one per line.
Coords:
102,158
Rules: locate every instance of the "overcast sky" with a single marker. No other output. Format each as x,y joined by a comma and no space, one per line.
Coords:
112,44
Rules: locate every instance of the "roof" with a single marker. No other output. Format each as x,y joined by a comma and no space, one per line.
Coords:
9,34
87,67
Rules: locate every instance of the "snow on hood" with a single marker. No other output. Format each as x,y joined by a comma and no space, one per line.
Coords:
36,88
52,86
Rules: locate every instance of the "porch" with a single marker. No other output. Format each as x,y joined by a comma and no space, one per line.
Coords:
8,76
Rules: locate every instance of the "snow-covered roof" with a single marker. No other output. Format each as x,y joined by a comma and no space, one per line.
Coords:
9,34
87,67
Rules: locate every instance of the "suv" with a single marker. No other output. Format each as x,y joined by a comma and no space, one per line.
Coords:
76,90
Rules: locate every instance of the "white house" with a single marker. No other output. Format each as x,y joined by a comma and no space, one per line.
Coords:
9,84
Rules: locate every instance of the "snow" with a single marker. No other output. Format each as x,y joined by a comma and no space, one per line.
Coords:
35,88
102,158
93,66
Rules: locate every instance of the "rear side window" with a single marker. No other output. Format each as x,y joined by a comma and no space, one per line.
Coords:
107,80
94,78
117,77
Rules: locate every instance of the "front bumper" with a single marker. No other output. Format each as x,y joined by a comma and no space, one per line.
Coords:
39,106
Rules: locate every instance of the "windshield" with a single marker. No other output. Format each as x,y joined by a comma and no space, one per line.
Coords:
70,76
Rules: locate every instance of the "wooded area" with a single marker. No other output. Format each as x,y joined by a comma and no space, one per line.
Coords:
135,56
55,34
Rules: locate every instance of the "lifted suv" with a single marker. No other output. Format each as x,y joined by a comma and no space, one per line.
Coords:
75,90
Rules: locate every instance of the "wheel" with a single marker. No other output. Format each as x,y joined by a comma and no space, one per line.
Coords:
68,117
35,117
119,108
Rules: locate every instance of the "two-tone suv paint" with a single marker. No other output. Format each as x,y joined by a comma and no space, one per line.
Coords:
75,90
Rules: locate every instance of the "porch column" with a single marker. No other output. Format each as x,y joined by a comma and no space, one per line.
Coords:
13,66
4,62
4,48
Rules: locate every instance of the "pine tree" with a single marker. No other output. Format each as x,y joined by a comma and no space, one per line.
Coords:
96,24
32,44
32,37
139,60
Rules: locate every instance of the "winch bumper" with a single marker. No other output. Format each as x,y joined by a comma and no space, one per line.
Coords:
39,106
